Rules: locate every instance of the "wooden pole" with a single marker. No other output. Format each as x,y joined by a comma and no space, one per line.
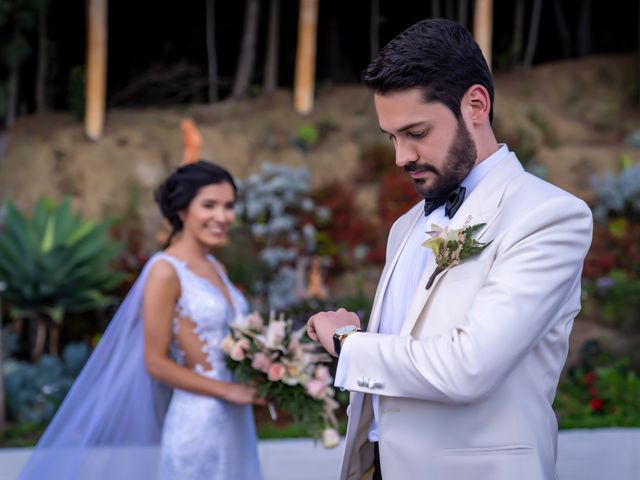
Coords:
483,27
306,56
96,68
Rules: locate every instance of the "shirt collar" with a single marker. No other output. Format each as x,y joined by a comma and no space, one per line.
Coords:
478,172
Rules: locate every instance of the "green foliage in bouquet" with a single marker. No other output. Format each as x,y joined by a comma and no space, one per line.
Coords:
287,369
54,262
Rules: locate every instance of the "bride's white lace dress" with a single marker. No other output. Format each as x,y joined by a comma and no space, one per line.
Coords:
204,438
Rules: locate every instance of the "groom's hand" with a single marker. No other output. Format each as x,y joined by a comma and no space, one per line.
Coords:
322,325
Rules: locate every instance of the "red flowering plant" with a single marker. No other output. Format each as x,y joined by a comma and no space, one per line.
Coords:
347,236
397,196
287,369
601,392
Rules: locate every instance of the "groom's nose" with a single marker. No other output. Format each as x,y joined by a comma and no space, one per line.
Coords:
405,153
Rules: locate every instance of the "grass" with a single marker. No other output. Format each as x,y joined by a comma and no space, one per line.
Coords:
21,435
27,435
269,431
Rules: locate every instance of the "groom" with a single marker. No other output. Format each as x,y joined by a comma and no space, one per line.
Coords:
456,381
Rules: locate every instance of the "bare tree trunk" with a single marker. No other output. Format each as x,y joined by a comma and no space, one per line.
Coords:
463,12
374,29
332,48
54,339
449,9
273,42
584,29
532,41
212,57
96,84
435,9
41,74
13,82
563,29
244,72
518,31
39,339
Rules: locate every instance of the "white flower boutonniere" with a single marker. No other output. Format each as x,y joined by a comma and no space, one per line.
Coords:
450,247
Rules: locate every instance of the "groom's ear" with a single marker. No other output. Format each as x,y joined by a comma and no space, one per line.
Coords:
476,105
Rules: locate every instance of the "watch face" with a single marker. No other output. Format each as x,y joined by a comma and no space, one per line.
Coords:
345,329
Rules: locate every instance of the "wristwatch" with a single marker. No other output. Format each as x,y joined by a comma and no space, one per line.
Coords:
342,333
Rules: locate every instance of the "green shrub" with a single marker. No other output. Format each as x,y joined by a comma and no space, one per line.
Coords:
601,392
54,262
34,392
308,135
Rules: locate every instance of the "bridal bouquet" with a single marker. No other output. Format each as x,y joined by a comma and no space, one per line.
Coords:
287,368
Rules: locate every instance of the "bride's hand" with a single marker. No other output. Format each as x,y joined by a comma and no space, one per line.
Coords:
242,395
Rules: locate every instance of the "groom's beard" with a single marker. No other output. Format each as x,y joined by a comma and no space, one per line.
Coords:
461,157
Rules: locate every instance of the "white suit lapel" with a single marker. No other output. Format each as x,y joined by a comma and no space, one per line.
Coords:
482,206
374,319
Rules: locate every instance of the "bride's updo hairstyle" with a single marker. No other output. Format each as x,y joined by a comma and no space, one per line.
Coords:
179,189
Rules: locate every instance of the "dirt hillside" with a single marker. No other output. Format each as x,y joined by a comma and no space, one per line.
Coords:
566,121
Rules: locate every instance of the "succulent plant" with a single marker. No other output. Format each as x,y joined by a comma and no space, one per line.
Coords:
52,263
34,391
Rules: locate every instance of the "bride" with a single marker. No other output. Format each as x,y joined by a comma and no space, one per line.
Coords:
166,333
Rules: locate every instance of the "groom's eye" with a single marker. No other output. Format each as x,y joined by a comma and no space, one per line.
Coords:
416,134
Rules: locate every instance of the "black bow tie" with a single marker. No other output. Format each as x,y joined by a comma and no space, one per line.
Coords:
451,202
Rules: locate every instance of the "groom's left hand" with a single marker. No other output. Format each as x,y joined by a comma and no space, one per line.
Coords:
321,326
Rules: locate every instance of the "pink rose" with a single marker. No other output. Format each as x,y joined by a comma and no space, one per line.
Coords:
330,438
322,374
238,349
276,372
316,388
261,362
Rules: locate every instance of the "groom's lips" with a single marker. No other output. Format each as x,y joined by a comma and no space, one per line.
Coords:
420,174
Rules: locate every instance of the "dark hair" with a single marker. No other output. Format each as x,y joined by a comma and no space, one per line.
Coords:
440,56
179,189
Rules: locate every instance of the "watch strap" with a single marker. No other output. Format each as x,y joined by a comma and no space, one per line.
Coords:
337,339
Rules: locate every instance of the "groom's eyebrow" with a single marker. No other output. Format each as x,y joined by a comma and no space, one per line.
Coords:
407,127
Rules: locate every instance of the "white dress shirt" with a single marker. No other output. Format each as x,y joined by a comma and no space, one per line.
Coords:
407,272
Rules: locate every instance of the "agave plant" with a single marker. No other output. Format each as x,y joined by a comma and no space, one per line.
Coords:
52,263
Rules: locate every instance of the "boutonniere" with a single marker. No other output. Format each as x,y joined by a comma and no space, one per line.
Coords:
450,247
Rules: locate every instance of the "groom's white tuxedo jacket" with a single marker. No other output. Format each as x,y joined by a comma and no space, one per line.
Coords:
466,388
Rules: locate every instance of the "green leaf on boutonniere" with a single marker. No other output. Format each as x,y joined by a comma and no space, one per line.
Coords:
450,247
